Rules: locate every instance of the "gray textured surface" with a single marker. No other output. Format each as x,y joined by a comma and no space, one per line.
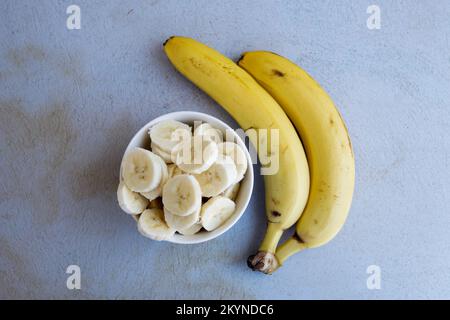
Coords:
71,100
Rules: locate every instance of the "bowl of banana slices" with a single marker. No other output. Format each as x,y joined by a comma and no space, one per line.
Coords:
186,177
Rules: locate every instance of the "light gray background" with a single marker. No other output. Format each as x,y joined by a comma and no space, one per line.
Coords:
71,100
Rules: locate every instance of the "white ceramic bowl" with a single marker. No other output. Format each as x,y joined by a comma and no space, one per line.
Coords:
142,139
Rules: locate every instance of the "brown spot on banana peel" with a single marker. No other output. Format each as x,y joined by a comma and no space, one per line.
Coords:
275,201
274,213
349,142
242,56
278,73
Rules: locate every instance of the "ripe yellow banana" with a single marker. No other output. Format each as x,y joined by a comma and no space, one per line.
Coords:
327,145
253,108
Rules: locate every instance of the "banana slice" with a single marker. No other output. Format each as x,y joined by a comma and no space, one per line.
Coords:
129,201
182,195
174,170
177,171
163,154
234,151
209,132
141,170
196,155
216,211
181,223
151,224
171,169
191,230
232,191
218,177
155,193
167,134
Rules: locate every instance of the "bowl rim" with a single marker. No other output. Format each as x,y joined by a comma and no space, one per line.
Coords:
248,179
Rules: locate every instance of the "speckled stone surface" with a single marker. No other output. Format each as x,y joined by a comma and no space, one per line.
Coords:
70,100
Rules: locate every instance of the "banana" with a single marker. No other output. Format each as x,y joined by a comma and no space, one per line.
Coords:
328,149
129,201
191,230
151,224
209,132
182,195
174,170
195,155
171,169
181,223
165,135
232,191
155,193
253,108
218,177
233,150
141,170
216,211
160,152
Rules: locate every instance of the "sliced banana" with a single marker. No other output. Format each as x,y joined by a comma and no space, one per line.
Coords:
177,172
141,170
218,177
209,132
216,211
232,191
174,170
182,195
171,169
129,201
167,134
181,223
151,224
234,151
191,230
163,154
196,155
155,193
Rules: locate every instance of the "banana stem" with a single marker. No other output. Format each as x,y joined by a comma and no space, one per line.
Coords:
288,248
271,238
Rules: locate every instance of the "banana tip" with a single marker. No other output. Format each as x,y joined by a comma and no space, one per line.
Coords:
167,40
249,262
264,262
